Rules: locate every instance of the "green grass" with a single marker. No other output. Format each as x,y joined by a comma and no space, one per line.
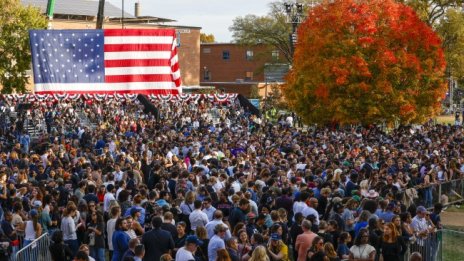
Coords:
452,246
445,119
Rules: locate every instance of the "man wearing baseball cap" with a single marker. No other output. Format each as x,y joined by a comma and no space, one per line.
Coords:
420,226
185,253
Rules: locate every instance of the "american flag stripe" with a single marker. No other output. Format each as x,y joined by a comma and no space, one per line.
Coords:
137,40
135,63
137,55
138,78
139,32
135,47
138,70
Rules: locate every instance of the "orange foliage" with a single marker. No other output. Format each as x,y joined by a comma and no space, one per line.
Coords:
366,61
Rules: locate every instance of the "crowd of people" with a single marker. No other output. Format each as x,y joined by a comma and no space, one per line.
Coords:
206,180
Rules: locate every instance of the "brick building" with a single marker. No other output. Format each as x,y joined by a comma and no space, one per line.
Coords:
237,68
81,14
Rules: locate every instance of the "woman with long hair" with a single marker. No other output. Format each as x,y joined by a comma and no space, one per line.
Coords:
277,250
223,255
259,254
33,229
202,251
243,243
330,252
96,229
392,245
316,251
361,250
69,228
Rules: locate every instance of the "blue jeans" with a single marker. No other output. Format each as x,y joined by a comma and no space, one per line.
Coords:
98,253
73,244
428,197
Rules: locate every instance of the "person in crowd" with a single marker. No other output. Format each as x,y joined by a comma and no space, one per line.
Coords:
197,217
392,246
186,253
111,227
276,248
120,239
222,255
139,253
96,229
202,252
218,219
330,253
316,251
157,241
217,241
259,254
305,240
131,250
58,249
361,249
232,249
179,241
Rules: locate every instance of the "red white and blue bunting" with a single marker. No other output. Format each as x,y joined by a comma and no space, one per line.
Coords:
227,97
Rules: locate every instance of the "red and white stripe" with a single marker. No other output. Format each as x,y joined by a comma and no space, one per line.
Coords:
141,60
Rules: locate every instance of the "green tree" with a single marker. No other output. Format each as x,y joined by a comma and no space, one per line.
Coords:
271,29
207,38
432,11
15,58
451,29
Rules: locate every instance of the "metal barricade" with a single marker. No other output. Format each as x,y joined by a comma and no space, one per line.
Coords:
429,247
37,250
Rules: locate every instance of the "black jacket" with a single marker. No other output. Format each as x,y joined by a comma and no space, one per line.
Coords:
157,242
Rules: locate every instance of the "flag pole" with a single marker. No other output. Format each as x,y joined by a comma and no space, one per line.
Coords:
50,11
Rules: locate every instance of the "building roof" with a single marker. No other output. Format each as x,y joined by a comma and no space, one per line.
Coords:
78,7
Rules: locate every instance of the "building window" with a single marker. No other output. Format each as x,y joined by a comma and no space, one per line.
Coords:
206,50
249,76
275,55
206,74
249,55
225,55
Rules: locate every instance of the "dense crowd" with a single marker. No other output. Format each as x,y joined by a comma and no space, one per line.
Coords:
209,181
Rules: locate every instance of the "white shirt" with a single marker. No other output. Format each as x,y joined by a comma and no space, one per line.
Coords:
419,225
212,224
69,228
118,175
298,207
184,255
197,219
110,227
107,200
310,211
209,212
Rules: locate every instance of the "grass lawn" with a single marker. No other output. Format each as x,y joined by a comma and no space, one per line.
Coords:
445,119
453,245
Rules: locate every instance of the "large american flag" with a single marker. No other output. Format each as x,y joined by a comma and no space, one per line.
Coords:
105,61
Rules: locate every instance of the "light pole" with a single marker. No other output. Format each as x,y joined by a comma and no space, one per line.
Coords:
295,16
122,15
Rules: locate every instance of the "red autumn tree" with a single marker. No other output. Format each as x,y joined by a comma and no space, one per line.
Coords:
366,61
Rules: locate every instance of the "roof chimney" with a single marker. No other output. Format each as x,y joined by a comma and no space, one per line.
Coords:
137,9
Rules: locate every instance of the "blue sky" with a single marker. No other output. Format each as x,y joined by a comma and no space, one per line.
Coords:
214,16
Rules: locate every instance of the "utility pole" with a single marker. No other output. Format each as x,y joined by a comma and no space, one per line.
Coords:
100,14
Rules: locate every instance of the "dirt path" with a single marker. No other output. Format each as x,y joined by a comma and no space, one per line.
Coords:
455,219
